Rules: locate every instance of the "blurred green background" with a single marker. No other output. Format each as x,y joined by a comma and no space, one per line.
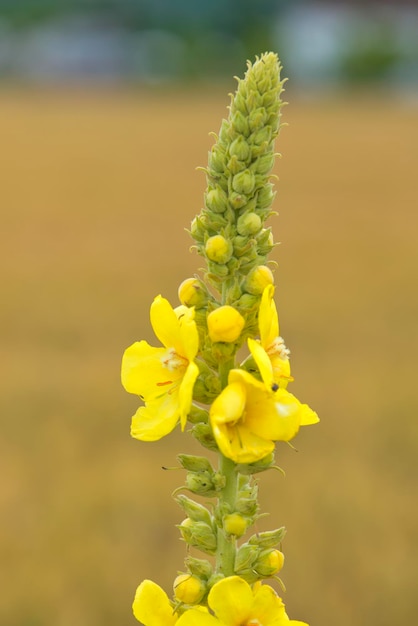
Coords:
100,141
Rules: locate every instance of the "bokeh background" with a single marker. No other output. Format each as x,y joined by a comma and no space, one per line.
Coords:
105,110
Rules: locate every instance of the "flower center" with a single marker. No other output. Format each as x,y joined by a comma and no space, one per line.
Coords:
173,361
253,622
278,348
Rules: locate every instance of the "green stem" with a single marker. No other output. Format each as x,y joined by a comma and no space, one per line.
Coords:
226,550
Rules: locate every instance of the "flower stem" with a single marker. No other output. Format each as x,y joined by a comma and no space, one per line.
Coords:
226,550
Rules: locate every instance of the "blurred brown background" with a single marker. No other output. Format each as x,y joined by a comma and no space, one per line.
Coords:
98,184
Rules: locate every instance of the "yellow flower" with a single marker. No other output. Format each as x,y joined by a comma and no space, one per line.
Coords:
235,603
225,324
152,607
163,377
248,416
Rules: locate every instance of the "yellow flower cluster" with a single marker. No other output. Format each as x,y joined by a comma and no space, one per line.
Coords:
249,414
231,602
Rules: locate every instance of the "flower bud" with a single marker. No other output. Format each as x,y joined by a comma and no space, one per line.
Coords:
246,557
199,567
198,535
237,200
240,148
248,224
257,118
268,538
192,292
258,279
197,512
200,482
217,158
225,324
203,434
194,463
265,196
218,249
216,200
235,166
244,182
197,229
264,163
260,136
234,524
188,589
269,562
240,123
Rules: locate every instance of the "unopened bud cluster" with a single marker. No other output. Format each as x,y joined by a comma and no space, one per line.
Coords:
230,231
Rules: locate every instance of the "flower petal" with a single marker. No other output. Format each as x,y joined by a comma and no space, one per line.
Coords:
189,335
157,419
165,324
229,405
308,416
231,599
268,607
240,444
151,605
186,392
197,617
144,372
263,361
268,321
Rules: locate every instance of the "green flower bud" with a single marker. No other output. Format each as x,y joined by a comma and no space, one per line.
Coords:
246,557
218,249
193,292
244,182
188,589
237,200
235,166
242,245
260,136
240,123
265,242
225,132
265,196
194,463
248,303
268,538
264,163
203,434
216,200
200,483
197,229
234,524
269,562
217,158
240,148
217,272
198,535
248,224
197,415
257,118
197,512
258,279
247,506
199,567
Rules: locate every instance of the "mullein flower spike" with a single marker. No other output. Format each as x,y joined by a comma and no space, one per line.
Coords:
239,410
